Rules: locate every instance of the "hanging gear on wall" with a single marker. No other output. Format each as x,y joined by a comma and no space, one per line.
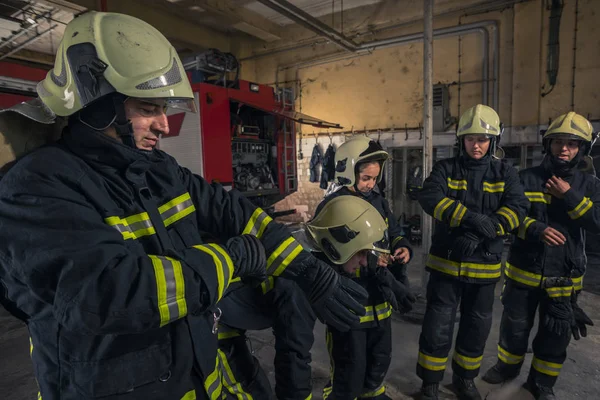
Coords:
315,159
328,172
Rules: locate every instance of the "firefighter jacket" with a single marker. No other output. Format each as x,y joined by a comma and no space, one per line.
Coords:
102,250
328,171
315,160
376,200
530,260
485,186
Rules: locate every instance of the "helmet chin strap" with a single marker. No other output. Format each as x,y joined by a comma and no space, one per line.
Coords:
123,125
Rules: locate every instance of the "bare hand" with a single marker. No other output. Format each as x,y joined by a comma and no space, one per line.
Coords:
383,260
557,187
402,254
552,237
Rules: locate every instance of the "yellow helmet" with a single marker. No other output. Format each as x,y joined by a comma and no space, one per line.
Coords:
357,150
347,225
479,120
104,53
572,126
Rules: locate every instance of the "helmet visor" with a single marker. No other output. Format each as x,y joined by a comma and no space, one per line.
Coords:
168,103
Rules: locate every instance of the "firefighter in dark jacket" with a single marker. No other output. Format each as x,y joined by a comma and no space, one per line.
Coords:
346,230
547,260
475,200
101,231
359,164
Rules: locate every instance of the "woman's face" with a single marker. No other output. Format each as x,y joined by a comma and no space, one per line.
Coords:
476,146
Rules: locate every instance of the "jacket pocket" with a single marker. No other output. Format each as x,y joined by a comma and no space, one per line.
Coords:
122,374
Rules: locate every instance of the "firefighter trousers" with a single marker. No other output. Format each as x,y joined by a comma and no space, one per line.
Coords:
549,348
360,359
287,311
444,295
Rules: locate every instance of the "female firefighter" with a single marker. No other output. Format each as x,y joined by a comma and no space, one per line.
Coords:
547,260
359,166
346,230
475,200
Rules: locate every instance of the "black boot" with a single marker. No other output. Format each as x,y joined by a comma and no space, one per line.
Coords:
465,388
429,391
499,374
538,391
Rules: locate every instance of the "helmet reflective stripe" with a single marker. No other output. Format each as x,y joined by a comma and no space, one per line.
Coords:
570,123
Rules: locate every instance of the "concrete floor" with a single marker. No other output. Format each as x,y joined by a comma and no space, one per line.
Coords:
578,380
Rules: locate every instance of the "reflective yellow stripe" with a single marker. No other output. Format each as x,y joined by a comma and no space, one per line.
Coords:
309,397
524,277
509,358
227,335
283,255
213,384
232,386
523,228
496,187
471,270
564,291
191,395
584,206
223,266
469,363
40,396
545,367
500,231
357,273
170,289
432,363
374,393
381,311
539,197
30,347
511,217
176,209
267,285
438,211
257,223
133,227
578,283
457,215
396,240
457,184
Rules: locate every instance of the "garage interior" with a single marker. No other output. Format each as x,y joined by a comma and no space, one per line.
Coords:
323,71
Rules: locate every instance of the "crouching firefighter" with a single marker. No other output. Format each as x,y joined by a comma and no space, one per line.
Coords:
346,231
102,251
359,166
547,261
475,200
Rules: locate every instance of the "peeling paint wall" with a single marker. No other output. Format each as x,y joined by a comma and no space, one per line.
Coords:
384,89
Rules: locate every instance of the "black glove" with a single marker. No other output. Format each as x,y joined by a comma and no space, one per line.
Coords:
466,244
580,320
249,259
335,299
481,224
558,316
395,292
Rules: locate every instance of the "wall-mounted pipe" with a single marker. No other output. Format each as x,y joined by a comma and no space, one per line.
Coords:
464,29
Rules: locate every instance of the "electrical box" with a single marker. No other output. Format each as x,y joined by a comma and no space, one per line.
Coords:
442,119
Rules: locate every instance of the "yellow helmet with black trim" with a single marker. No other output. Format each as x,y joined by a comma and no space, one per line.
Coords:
479,120
104,53
357,150
570,126
347,225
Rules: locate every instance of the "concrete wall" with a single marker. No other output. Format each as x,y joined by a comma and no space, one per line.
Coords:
383,89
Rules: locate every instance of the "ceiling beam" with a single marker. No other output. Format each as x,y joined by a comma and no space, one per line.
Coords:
248,21
182,31
33,57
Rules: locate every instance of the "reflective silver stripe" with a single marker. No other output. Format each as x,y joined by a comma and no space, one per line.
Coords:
283,256
176,209
170,289
267,285
481,271
136,226
213,384
231,384
445,266
469,363
432,363
509,358
257,223
524,277
545,367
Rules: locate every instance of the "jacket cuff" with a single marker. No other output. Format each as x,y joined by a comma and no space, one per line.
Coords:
577,205
401,241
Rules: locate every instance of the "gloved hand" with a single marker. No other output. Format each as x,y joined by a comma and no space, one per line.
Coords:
335,299
580,320
395,292
480,223
249,259
466,244
558,316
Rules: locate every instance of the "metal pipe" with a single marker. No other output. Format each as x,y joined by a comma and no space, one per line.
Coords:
474,27
427,225
28,42
299,16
